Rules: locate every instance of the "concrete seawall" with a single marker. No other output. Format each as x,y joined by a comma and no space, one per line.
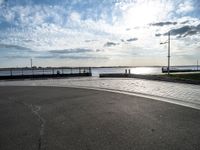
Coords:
149,77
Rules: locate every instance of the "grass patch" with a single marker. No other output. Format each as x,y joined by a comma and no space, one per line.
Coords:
187,76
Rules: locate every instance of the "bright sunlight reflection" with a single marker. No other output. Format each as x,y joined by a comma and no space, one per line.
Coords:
141,70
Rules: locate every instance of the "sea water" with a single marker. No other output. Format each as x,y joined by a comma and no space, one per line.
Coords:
95,71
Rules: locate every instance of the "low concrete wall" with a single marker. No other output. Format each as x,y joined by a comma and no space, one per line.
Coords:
149,77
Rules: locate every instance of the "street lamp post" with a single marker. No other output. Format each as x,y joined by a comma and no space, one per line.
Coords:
168,53
168,68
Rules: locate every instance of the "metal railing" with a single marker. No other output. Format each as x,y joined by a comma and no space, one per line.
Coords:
51,71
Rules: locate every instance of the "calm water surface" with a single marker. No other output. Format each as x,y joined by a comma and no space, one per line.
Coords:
134,70
95,71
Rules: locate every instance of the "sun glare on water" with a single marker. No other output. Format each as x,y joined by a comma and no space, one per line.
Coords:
142,70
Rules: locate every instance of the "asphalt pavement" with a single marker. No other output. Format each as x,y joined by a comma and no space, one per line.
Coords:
56,118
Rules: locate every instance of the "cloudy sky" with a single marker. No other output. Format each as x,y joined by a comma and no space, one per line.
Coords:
98,32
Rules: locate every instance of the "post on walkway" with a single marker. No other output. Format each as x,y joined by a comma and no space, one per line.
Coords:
43,71
90,71
11,72
62,70
32,71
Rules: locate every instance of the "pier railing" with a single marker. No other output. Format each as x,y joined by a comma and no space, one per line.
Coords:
12,73
180,69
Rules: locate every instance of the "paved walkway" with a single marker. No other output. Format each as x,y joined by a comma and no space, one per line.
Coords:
52,118
184,94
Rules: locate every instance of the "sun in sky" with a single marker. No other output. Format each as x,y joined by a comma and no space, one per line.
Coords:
98,32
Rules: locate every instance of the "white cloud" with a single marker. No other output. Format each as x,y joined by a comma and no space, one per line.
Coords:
9,16
35,15
56,28
75,16
185,7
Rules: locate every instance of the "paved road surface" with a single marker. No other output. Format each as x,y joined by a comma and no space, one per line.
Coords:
52,118
186,94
